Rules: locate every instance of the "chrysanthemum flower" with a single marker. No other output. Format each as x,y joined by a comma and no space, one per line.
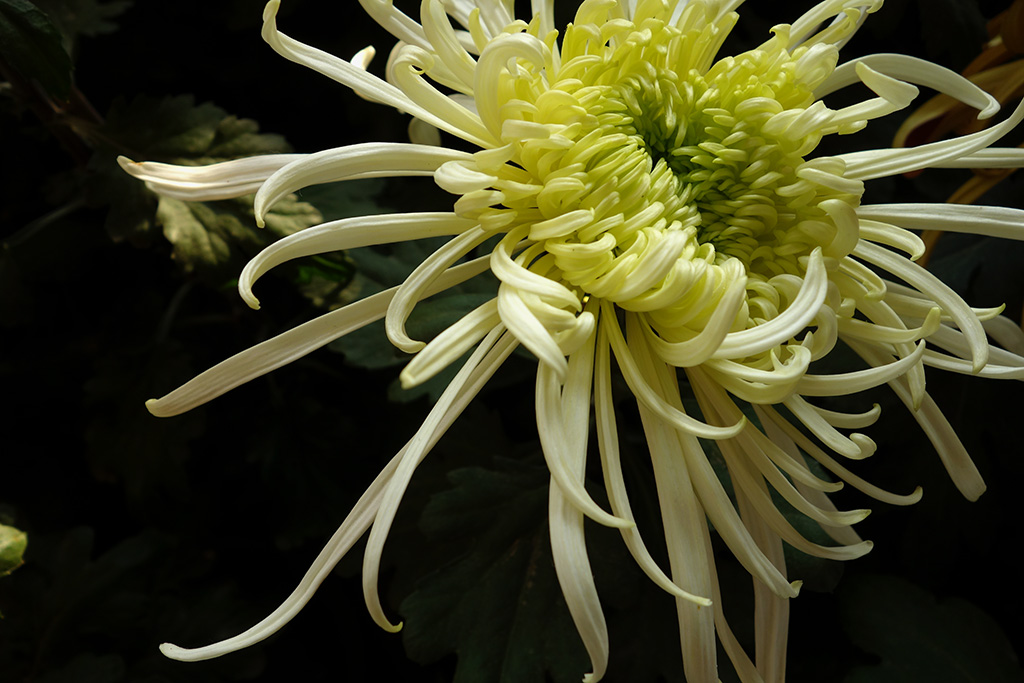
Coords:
643,199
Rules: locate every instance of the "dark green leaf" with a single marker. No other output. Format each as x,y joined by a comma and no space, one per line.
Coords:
31,45
496,603
213,239
919,638
83,17
210,236
125,443
170,129
177,130
344,199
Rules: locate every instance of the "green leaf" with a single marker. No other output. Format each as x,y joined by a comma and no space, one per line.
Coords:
210,239
216,236
83,17
177,130
170,129
12,548
495,600
920,638
31,45
345,198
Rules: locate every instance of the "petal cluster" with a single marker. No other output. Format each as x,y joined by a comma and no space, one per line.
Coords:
637,197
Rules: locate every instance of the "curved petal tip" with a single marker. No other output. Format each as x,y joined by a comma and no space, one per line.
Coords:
270,11
172,651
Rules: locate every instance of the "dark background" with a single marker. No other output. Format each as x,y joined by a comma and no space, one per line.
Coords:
190,529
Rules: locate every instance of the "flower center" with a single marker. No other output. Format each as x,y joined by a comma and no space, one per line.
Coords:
639,171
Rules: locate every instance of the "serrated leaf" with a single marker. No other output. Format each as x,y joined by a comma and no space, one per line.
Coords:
177,130
920,638
496,603
174,130
194,229
31,45
12,548
83,17
215,236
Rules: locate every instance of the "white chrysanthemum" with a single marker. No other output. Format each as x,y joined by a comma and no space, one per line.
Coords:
658,205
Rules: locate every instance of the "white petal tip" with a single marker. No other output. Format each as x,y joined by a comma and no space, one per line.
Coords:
734,430
988,112
126,163
250,301
408,345
270,11
363,58
408,380
172,651
973,496
153,406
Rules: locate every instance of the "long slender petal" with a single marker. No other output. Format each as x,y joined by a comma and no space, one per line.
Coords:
292,345
347,233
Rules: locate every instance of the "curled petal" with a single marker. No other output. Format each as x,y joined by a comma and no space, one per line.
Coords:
859,380
801,311
347,233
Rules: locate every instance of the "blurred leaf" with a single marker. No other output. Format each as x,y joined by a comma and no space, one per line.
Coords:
199,233
920,638
346,198
125,443
79,613
211,237
496,602
31,45
173,130
12,547
177,130
83,17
